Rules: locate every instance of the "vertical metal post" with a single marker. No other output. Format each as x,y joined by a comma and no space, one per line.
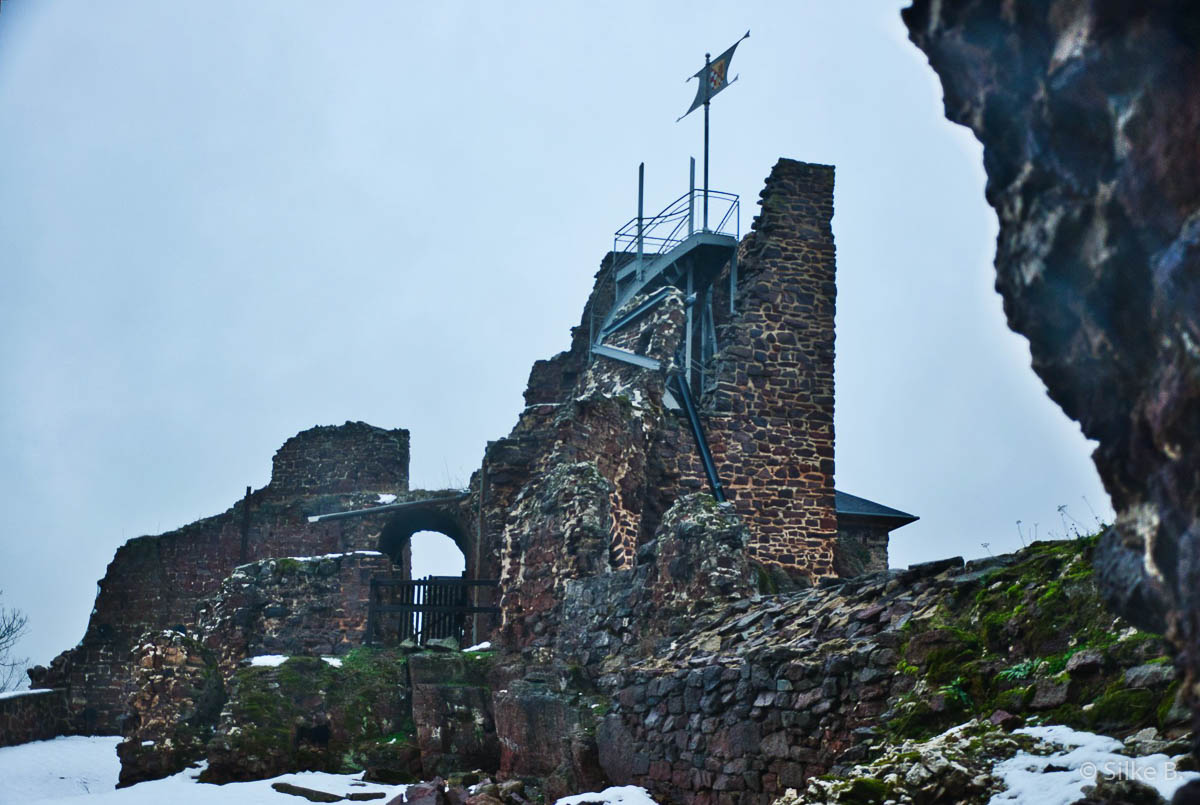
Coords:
707,89
705,347
474,599
641,196
692,197
688,338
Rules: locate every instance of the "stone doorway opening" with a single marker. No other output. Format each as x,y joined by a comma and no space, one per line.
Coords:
423,542
432,553
433,592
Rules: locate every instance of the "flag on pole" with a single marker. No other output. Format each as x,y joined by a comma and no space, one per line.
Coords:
713,77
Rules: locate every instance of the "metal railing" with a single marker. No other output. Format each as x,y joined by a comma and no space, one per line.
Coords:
660,233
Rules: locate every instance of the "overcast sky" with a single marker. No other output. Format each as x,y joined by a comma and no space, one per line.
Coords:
224,222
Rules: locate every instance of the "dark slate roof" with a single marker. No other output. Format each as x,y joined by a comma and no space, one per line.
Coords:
854,506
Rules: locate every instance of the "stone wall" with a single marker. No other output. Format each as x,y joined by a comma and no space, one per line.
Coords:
767,405
347,458
194,695
452,712
400,715
761,693
293,606
311,715
574,503
770,416
35,715
177,695
861,548
768,412
155,582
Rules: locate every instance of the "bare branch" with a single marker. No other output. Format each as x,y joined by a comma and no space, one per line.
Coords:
12,628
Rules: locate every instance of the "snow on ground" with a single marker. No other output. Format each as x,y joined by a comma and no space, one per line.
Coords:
387,498
63,767
1086,757
484,646
83,771
617,795
336,662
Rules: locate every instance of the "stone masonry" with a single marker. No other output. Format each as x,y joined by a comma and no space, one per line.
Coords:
154,583
770,417
32,716
767,409
579,489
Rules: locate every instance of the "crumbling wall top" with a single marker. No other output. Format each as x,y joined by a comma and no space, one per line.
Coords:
334,459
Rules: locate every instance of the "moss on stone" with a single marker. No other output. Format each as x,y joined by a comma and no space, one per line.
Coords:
1166,705
1023,623
287,565
865,791
309,714
1123,710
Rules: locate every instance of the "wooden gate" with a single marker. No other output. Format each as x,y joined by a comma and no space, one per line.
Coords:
421,610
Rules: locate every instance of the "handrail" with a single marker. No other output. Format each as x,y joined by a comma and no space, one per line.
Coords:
675,222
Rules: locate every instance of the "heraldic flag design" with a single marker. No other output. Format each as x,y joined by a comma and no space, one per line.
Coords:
713,77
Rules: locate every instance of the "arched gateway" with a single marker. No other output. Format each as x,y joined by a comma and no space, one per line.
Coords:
403,608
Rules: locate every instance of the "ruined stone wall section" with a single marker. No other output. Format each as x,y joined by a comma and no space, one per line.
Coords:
582,484
295,607
861,548
353,457
776,690
155,582
32,716
769,419
658,337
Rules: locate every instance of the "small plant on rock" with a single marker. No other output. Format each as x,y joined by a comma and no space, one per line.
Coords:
955,692
1022,670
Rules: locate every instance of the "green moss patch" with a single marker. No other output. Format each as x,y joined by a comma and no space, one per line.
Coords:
307,714
989,645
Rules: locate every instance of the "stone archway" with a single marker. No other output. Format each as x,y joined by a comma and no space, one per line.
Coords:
396,536
448,517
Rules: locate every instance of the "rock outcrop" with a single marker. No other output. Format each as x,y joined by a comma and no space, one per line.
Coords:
1088,113
764,693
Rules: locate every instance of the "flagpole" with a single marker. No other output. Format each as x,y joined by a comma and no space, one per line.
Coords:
707,90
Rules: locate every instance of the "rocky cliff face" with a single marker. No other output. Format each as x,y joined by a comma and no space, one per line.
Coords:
1088,111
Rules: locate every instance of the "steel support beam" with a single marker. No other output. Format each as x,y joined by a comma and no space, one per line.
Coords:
389,507
626,356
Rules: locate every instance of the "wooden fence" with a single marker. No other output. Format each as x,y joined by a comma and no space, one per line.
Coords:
421,610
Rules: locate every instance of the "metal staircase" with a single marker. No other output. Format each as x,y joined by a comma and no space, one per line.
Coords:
669,249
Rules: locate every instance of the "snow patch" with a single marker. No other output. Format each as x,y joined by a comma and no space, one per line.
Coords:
336,662
268,660
484,646
387,499
1086,758
60,771
63,767
617,795
334,556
